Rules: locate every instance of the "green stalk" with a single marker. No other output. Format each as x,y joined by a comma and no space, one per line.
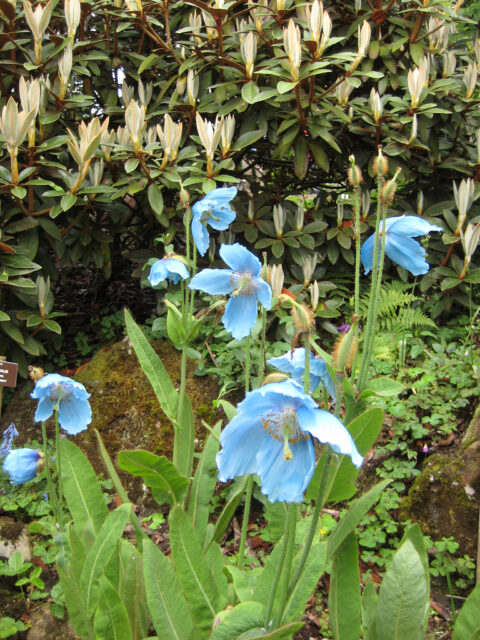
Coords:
371,317
323,491
356,307
286,563
59,466
249,488
51,487
306,378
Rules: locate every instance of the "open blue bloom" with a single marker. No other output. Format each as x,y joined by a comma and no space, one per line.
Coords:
167,269
66,396
8,435
243,281
399,245
271,435
293,362
22,465
214,210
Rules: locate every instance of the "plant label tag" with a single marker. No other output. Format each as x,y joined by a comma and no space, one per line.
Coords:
8,374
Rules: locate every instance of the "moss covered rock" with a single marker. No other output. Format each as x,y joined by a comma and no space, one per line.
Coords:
444,497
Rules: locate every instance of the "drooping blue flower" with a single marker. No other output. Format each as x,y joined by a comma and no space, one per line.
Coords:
167,268
399,245
214,210
243,281
22,464
71,398
271,435
293,362
8,435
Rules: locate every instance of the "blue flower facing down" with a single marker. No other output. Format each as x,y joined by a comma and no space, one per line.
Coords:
243,281
214,210
271,435
399,246
74,412
167,269
8,435
293,362
23,464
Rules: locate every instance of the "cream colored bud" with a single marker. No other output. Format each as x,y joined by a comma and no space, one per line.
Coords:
123,136
226,134
248,50
14,125
326,31
449,64
135,123
276,278
195,21
192,87
413,134
364,35
365,203
250,211
145,92
134,6
376,106
470,79
300,218
420,203
291,43
415,86
30,95
73,13
470,240
107,141
279,217
309,264
84,149
209,134
210,26
127,93
314,294
44,93
64,69
150,135
170,137
343,91
38,22
463,199
95,173
259,12
181,85
314,17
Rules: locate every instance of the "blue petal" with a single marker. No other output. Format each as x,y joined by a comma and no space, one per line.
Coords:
44,410
328,429
407,253
286,480
74,414
21,465
319,373
200,236
263,292
240,441
177,267
213,281
221,218
240,315
411,226
366,253
240,258
158,273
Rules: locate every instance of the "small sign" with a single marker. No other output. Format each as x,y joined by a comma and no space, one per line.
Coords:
8,374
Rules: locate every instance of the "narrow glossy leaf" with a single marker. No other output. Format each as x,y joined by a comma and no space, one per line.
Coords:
157,472
300,159
402,597
111,618
369,611
168,609
131,588
153,368
242,618
99,555
359,508
313,570
250,91
203,484
155,198
467,626
248,138
193,572
81,487
344,594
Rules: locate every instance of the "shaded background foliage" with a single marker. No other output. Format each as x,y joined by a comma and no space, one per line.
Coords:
293,82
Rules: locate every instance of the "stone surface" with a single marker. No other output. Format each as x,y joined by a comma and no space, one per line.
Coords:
46,627
14,537
444,498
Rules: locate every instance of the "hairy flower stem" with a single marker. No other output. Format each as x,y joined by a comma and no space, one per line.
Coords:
286,566
371,317
249,488
306,379
58,462
183,442
52,494
323,491
356,197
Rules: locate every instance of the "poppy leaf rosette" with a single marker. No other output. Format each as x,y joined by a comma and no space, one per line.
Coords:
293,362
168,268
272,436
68,397
243,281
399,244
214,209
23,464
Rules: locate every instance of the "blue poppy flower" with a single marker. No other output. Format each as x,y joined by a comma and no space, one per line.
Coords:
71,398
399,245
243,281
214,210
23,464
271,435
167,269
293,362
8,435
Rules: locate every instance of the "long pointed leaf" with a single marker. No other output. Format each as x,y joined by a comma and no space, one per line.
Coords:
111,618
344,604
